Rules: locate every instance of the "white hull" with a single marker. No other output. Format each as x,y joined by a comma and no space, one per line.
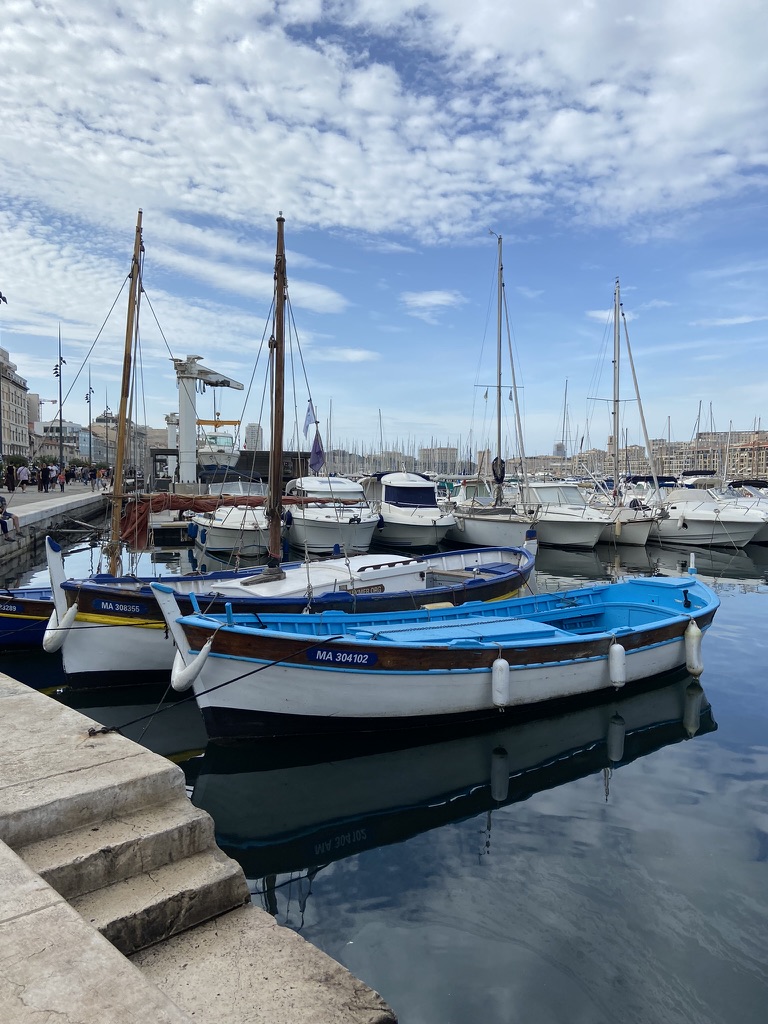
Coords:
319,532
419,530
232,529
487,530
558,532
712,531
325,692
212,461
626,527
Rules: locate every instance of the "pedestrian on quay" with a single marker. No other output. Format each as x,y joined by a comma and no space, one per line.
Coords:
6,517
62,479
22,478
10,478
45,477
92,475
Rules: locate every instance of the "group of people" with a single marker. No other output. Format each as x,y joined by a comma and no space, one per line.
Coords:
48,476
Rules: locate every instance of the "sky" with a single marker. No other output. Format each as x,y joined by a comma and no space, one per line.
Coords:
398,139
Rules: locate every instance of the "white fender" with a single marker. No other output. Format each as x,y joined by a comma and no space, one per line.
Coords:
499,774
55,634
182,676
617,730
693,662
681,523
617,664
500,682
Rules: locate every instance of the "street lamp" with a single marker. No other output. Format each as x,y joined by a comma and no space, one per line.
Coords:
107,414
57,373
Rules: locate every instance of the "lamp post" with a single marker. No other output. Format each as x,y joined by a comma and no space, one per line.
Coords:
57,374
90,435
107,414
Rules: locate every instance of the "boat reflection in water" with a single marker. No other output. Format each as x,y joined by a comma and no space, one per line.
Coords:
284,806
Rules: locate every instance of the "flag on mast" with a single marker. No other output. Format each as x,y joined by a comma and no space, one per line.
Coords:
310,418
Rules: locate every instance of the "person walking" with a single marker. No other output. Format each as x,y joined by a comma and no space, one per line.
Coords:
22,478
10,478
45,476
62,479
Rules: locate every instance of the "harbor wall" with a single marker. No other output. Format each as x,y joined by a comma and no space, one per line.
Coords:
116,904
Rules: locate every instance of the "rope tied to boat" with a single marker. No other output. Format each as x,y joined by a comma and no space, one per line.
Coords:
104,729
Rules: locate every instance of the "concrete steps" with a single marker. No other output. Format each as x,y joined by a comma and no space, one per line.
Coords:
108,825
139,911
97,855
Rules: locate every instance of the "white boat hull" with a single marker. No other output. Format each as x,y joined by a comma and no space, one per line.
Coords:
413,531
690,530
487,530
321,532
309,692
573,533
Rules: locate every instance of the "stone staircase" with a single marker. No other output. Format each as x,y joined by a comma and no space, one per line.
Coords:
112,831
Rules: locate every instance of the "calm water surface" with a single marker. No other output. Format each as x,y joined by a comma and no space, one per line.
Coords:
611,864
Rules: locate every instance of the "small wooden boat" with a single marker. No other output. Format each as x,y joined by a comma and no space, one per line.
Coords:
24,614
334,672
110,629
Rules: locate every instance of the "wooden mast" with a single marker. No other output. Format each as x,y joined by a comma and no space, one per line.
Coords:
274,505
113,545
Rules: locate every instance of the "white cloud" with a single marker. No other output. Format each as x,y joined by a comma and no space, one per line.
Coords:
729,321
427,306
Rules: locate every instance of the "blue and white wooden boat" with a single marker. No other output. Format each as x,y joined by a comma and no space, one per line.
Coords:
110,629
24,614
335,672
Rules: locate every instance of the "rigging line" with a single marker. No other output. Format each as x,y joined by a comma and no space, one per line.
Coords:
157,322
93,343
204,693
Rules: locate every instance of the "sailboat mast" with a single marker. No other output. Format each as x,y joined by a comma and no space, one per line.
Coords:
274,507
113,545
616,352
498,350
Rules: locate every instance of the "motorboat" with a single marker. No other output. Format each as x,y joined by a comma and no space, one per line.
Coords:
407,505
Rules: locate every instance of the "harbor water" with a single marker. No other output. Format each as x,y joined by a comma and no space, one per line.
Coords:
611,863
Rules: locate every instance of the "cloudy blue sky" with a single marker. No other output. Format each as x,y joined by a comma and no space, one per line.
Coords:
600,140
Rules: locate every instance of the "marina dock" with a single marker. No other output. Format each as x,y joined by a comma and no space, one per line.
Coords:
116,904
40,512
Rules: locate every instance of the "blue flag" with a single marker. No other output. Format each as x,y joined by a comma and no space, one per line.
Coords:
317,455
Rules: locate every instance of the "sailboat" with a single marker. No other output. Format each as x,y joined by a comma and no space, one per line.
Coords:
483,514
628,523
109,627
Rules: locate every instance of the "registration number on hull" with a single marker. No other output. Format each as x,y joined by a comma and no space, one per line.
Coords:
349,658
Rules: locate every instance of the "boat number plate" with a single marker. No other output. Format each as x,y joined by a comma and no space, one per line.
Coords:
348,658
120,607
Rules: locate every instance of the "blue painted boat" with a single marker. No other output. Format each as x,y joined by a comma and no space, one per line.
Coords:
334,672
24,614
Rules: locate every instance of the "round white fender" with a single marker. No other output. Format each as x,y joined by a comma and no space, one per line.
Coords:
694,695
182,676
499,774
617,664
55,634
500,682
693,661
617,730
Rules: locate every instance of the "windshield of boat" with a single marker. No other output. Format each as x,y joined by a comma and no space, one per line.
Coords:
411,497
560,494
220,440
